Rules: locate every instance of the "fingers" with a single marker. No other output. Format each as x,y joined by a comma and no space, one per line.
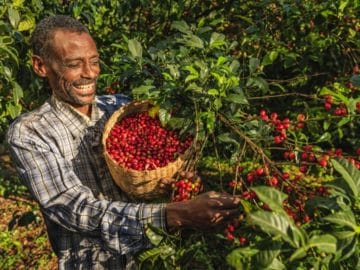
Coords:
221,218
224,201
188,174
166,183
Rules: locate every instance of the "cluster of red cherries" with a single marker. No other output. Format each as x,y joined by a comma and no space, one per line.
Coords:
185,189
280,125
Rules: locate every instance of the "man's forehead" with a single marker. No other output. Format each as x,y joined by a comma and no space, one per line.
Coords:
71,45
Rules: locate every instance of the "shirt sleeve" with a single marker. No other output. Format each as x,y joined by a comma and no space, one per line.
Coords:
118,226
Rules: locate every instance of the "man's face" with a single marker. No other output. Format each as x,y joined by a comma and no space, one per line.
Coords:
73,68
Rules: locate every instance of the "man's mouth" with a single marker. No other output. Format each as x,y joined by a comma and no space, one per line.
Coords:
85,88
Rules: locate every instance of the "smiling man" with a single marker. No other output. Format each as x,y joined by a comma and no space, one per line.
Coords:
57,151
71,66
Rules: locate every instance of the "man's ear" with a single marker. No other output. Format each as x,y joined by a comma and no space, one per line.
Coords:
39,66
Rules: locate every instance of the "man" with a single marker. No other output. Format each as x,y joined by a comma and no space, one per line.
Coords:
57,151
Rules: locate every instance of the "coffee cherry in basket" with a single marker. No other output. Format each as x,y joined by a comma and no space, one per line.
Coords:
139,142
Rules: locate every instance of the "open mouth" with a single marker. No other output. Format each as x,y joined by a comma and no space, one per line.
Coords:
85,89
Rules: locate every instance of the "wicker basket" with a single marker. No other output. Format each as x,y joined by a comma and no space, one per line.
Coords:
137,184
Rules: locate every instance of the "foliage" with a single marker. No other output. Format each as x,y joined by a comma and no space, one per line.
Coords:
23,239
270,91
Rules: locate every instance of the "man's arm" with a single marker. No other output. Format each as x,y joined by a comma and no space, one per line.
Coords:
119,226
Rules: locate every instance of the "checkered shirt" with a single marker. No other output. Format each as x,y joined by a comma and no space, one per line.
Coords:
58,154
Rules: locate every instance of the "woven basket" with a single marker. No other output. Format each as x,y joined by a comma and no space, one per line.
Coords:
137,184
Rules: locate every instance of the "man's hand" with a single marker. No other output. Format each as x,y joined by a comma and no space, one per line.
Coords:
165,185
205,211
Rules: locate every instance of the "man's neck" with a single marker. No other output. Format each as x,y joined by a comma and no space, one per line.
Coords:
85,110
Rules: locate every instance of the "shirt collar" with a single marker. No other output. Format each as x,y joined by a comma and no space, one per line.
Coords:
72,119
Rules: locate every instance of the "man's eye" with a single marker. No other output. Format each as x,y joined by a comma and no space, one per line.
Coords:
95,62
73,65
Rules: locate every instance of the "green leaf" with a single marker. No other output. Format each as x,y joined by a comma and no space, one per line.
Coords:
278,225
13,109
344,218
272,197
204,69
343,121
149,254
253,64
269,58
221,61
193,41
326,124
135,48
257,82
194,87
209,118
234,66
268,251
18,3
325,243
343,5
213,92
181,26
17,92
247,206
337,94
347,244
174,71
154,238
227,138
340,133
352,33
217,103
178,122
325,137
6,71
167,76
191,77
164,116
27,24
217,40
350,175
237,257
194,74
327,203
237,98
142,90
14,17
276,264
191,69
11,52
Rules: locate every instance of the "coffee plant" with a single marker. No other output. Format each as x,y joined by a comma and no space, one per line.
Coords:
268,92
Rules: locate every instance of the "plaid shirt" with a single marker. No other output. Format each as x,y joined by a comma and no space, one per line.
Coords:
58,154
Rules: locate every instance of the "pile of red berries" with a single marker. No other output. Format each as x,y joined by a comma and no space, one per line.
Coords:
140,142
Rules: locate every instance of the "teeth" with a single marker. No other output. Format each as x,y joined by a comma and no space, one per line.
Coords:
85,87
